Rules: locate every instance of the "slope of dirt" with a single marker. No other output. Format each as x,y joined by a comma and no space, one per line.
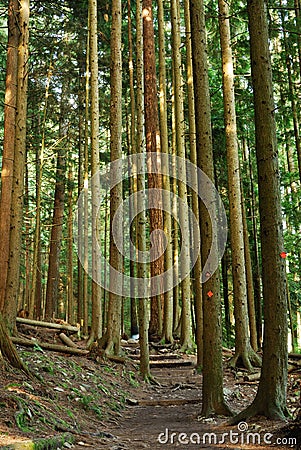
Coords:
77,395
104,405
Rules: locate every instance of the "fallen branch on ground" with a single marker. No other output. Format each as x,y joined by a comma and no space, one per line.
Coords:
67,340
38,323
47,346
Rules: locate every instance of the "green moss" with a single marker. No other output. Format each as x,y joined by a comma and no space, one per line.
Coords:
50,443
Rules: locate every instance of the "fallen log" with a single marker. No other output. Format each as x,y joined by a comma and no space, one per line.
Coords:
292,367
256,376
47,346
156,357
67,340
102,355
171,363
252,376
169,402
38,323
294,355
294,363
227,351
116,359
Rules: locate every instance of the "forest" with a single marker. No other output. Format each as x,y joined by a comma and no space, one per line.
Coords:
150,195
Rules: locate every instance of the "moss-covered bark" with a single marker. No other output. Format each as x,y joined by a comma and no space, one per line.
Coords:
271,396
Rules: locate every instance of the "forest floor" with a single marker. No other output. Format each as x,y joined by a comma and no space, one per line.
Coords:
85,402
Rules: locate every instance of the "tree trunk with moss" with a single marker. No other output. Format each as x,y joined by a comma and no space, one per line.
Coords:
14,264
249,279
111,339
96,324
153,166
243,350
36,266
167,335
8,351
10,102
213,396
197,270
133,180
56,234
185,340
141,219
270,399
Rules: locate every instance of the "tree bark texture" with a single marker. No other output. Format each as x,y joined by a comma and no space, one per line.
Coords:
153,161
271,395
111,340
10,105
243,349
13,275
213,397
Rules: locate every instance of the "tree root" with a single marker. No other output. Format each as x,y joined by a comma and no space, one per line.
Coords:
9,353
219,409
90,341
249,359
166,340
151,380
108,345
260,408
187,347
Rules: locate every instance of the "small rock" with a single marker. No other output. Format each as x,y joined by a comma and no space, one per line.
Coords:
58,389
132,401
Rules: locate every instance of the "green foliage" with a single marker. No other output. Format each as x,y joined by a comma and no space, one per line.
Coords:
58,37
132,377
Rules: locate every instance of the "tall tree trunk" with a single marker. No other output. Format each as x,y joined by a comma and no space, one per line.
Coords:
39,288
13,275
213,396
182,185
111,339
195,198
270,399
80,180
243,349
28,240
133,179
96,324
39,178
153,164
257,278
167,335
8,351
141,219
70,297
57,219
85,317
175,226
249,279
10,106
226,296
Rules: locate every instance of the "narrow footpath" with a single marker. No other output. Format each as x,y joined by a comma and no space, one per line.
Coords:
168,415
